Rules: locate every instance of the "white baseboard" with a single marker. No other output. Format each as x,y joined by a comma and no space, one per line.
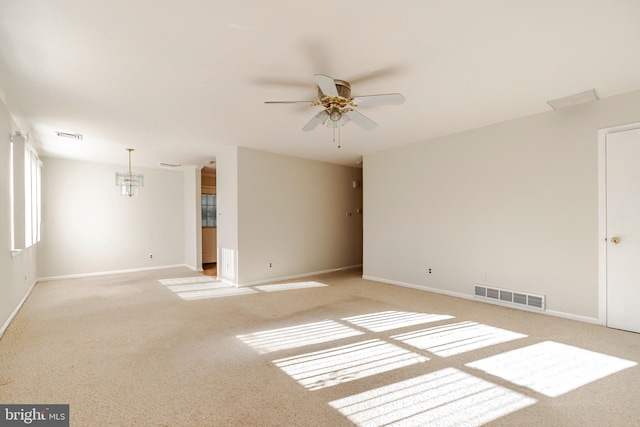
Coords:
296,276
105,273
17,309
414,286
577,317
547,312
191,267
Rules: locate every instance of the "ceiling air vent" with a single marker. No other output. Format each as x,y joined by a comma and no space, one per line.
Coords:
76,136
575,99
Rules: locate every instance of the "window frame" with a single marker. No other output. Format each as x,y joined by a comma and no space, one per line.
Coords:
208,216
26,194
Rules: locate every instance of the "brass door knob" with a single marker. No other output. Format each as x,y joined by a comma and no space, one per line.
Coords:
615,240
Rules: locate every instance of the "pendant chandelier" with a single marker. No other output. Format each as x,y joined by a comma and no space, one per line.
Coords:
129,182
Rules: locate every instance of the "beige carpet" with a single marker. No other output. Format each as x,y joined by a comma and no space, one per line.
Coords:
173,348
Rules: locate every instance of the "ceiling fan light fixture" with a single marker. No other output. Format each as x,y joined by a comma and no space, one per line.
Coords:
335,115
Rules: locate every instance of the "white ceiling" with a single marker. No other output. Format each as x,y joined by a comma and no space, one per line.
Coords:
179,80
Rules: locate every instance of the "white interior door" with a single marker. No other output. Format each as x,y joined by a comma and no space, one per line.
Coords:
623,229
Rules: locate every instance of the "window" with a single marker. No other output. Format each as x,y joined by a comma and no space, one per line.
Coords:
208,210
26,193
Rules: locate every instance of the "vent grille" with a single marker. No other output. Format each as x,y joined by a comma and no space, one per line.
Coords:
76,136
510,297
519,298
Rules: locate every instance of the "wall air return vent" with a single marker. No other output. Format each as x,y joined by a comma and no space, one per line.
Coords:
509,297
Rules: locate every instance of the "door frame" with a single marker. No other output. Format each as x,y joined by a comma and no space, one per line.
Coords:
602,215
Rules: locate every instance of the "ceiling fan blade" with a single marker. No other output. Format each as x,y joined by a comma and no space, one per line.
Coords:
289,102
326,84
267,81
379,73
361,120
319,118
382,99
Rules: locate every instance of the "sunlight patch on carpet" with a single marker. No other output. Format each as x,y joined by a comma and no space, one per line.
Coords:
216,292
289,286
551,368
457,338
338,365
199,286
187,280
387,320
448,397
297,336
203,287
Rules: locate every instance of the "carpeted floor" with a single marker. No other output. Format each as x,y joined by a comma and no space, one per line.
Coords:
175,348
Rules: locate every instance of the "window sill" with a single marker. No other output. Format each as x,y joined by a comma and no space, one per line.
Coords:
16,252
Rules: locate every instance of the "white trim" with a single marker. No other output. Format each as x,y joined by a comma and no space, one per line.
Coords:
419,287
226,281
191,267
602,226
17,309
553,313
106,273
602,216
295,276
16,252
571,316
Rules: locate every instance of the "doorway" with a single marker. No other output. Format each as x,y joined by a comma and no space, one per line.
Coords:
209,219
620,243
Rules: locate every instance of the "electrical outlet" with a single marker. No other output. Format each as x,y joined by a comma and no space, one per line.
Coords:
150,256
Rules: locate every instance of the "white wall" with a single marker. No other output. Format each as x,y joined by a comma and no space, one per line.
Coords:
513,205
227,208
292,214
89,228
17,273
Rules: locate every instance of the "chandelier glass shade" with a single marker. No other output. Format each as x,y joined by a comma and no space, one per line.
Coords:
129,182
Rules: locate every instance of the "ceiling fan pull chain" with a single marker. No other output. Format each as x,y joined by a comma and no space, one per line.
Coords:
337,126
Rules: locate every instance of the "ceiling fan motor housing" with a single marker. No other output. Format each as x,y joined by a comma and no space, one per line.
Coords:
344,89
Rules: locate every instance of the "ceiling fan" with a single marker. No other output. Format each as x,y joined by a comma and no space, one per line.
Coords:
339,107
